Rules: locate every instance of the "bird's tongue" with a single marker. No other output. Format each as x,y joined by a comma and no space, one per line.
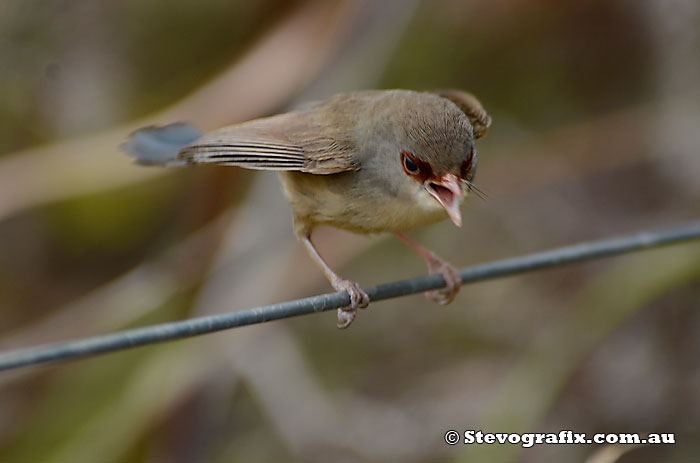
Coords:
444,195
447,191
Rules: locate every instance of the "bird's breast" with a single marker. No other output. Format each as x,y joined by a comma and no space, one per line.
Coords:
339,200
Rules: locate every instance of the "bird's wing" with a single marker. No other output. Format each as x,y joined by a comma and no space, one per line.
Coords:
292,142
470,106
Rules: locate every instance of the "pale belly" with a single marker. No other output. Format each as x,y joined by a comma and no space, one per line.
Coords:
322,200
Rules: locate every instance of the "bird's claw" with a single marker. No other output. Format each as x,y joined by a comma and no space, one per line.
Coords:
345,317
358,300
452,281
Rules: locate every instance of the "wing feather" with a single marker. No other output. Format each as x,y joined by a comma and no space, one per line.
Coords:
291,142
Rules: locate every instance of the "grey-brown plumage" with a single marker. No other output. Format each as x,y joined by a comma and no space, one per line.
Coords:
368,162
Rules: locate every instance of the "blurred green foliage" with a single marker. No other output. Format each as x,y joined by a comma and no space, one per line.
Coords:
579,94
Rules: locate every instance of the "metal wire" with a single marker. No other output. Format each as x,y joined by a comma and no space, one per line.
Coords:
202,325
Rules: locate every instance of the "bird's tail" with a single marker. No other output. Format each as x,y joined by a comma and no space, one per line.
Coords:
160,145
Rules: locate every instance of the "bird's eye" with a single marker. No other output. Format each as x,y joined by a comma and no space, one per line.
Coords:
409,164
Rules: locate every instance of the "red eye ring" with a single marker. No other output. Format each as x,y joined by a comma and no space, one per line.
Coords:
414,167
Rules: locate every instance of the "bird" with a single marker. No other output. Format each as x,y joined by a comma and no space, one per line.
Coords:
371,161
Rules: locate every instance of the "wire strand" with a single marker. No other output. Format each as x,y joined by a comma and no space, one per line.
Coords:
203,325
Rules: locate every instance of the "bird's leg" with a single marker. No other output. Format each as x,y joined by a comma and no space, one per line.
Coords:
358,298
436,265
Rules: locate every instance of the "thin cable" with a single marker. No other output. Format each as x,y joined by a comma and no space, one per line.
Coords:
202,325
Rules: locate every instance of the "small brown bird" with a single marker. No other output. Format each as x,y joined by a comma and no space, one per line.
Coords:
367,162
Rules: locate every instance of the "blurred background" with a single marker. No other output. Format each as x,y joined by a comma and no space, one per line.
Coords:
596,109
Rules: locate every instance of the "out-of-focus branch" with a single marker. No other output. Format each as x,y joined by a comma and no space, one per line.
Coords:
265,78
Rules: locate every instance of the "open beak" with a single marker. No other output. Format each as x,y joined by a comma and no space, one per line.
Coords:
448,192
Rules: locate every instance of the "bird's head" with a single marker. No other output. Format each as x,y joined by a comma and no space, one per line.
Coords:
446,186
437,155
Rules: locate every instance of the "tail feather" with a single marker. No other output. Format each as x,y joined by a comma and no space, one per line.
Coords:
160,145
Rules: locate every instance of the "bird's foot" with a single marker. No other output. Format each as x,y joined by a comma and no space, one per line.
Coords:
358,300
452,279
